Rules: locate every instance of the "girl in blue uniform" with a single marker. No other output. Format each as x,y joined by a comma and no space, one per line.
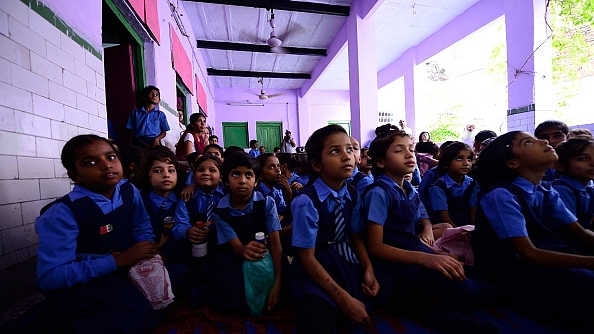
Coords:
88,240
454,195
159,173
331,272
238,216
575,170
405,264
272,183
516,242
358,180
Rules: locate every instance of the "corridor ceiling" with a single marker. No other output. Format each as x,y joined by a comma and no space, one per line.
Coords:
232,37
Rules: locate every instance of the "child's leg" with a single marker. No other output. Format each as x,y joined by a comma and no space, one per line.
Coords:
315,315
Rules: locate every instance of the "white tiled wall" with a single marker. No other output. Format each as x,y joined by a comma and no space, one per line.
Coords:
51,89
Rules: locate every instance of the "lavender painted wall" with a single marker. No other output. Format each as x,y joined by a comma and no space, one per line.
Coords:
76,14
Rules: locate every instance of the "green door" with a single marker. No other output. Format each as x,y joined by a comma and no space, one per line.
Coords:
268,134
235,134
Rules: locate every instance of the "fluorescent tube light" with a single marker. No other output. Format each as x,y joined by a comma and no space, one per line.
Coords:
245,104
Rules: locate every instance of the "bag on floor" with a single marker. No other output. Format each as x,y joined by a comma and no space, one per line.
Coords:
152,279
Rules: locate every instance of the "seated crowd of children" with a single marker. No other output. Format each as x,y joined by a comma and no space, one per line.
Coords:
344,231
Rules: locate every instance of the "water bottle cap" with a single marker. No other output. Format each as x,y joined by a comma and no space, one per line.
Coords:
260,236
199,223
169,219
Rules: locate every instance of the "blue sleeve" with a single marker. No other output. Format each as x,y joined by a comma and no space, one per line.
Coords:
143,230
279,200
305,222
182,220
504,213
559,213
473,201
416,176
568,197
376,203
421,212
438,199
131,122
272,222
225,232
164,125
59,267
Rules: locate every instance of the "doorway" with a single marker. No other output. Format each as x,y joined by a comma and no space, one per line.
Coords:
268,134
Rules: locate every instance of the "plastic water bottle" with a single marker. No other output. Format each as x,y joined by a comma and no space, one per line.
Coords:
200,249
261,238
168,223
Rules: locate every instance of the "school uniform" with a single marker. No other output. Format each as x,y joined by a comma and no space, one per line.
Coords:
258,216
146,125
359,180
522,209
158,208
426,182
83,287
447,195
398,212
277,196
578,199
314,224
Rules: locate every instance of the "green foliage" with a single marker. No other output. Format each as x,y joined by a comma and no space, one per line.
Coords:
444,128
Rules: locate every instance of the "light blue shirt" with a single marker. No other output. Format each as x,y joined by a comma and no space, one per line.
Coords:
147,124
277,196
182,216
58,266
306,217
505,213
439,199
377,201
225,232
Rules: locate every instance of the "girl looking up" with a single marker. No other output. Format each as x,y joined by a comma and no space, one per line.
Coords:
454,194
575,168
331,272
102,229
516,242
238,217
405,264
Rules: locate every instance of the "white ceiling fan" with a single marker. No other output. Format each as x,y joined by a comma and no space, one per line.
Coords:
263,95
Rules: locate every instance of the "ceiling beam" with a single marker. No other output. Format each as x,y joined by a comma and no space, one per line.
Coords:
202,44
294,6
253,74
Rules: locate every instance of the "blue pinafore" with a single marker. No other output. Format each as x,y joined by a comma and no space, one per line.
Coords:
458,208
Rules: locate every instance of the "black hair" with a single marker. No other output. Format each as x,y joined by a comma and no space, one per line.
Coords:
385,128
491,166
72,146
288,159
194,117
427,147
379,146
148,89
204,158
211,137
163,154
239,159
192,157
484,134
449,153
215,146
252,142
231,149
552,123
263,157
276,149
315,146
570,149
421,136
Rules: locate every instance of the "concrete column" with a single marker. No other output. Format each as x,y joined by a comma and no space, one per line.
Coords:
362,74
409,64
529,64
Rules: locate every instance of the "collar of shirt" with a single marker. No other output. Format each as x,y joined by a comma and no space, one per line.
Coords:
156,108
573,183
526,185
407,186
218,190
107,205
225,202
158,199
264,188
451,183
324,191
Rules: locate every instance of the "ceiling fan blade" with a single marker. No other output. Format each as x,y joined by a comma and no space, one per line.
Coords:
275,95
295,29
278,49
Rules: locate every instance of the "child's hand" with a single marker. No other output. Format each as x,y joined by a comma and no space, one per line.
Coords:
295,186
163,240
140,251
287,231
253,251
188,192
273,296
447,265
370,284
354,310
196,234
283,181
427,236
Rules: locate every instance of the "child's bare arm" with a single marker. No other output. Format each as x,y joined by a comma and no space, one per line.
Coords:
353,308
370,283
188,192
277,253
427,233
529,253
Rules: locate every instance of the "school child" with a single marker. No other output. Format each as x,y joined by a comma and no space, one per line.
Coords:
130,159
254,151
364,165
454,195
407,268
272,183
332,277
238,216
575,168
88,240
516,244
429,178
190,159
214,150
159,172
358,180
301,172
555,132
147,125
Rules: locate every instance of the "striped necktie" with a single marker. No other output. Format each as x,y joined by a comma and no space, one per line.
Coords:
341,242
209,207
